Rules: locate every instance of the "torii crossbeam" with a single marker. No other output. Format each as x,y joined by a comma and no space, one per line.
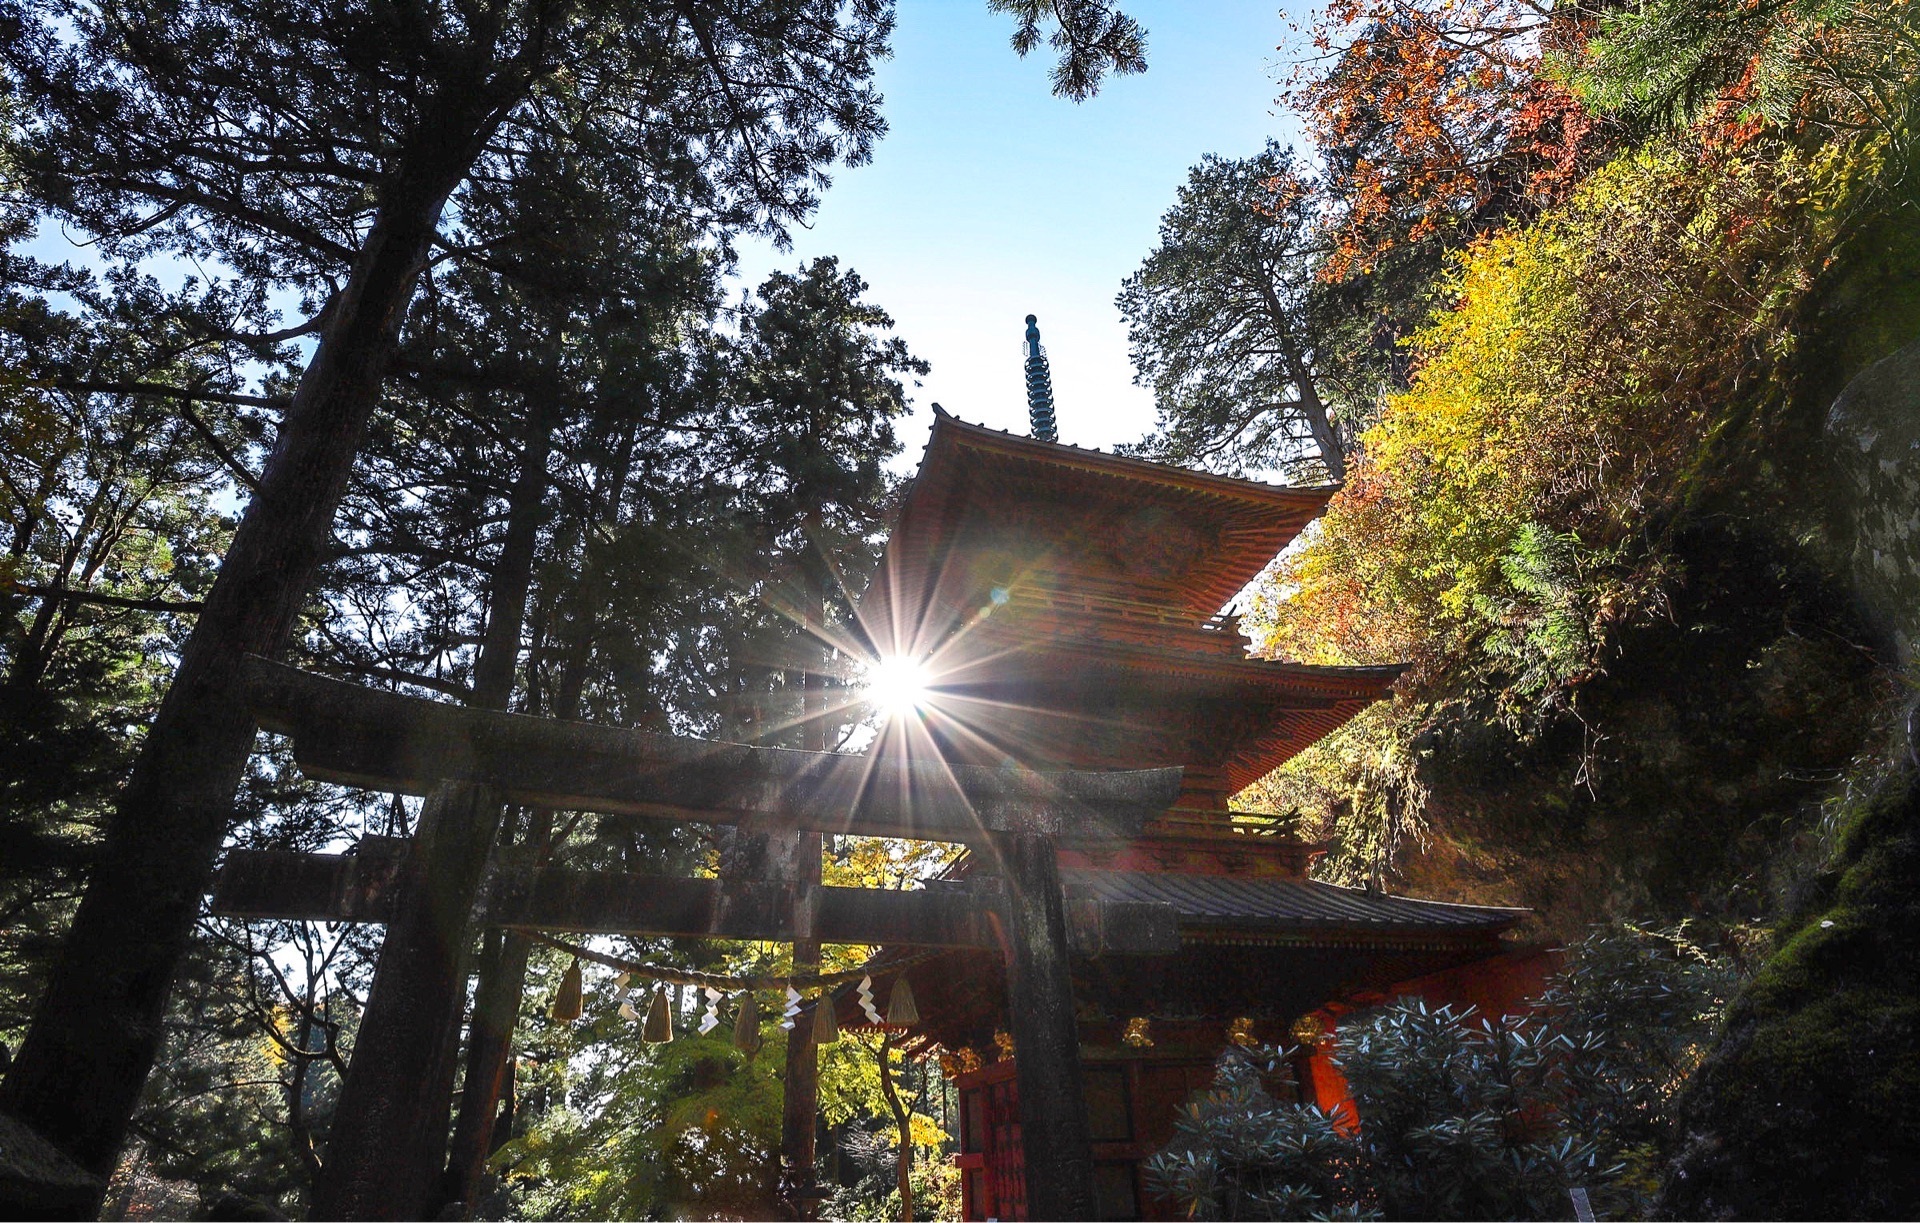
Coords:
391,1121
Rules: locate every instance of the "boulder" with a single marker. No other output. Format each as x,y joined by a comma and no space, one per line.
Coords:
1874,428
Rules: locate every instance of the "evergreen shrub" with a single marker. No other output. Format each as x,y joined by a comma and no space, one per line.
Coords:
1457,1115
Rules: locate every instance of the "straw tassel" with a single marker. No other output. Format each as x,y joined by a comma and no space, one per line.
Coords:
746,1028
568,1004
901,1012
658,1029
826,1027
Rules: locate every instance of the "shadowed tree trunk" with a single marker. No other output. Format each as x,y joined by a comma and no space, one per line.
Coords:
496,1008
98,1027
388,1138
503,964
391,1123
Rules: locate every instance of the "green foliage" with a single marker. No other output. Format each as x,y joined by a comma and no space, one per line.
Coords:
111,526
1835,65
609,1127
614,1128
875,1198
686,1129
1221,322
1358,790
1092,36
1456,1116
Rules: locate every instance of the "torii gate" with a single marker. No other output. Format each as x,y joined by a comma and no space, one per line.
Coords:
388,1133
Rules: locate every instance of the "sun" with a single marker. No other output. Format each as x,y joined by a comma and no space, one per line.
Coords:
897,685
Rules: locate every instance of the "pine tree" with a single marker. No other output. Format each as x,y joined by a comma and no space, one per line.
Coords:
1219,321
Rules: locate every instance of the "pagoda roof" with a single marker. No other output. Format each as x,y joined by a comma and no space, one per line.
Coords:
1271,947
970,472
1288,706
1233,908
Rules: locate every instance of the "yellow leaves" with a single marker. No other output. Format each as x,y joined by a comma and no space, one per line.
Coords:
1577,370
883,862
924,1131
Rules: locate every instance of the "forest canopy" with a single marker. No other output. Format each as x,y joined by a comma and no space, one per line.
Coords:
409,347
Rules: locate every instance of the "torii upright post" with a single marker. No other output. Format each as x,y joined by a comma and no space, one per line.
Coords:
390,1127
800,1100
1046,1037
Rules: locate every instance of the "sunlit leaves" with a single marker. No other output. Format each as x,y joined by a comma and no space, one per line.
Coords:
1436,118
1583,364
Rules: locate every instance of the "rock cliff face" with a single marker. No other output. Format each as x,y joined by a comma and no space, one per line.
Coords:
1810,1106
1875,430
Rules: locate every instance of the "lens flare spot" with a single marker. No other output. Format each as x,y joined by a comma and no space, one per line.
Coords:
897,685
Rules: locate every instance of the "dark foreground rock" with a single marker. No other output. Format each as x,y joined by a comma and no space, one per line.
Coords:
1810,1106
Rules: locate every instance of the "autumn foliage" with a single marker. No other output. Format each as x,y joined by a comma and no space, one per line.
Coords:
1610,343
1576,384
1629,256
1438,117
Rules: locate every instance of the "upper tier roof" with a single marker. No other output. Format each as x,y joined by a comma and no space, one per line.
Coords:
1168,534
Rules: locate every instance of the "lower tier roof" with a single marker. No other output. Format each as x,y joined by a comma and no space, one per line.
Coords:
1227,906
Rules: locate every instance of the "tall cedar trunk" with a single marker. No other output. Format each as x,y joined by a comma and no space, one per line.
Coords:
1324,435
512,575
419,989
503,968
98,1028
496,1008
388,1139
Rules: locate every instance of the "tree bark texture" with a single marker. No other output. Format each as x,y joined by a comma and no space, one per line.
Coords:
1325,436
98,1027
452,867
512,577
389,1130
1054,1131
903,1126
496,1009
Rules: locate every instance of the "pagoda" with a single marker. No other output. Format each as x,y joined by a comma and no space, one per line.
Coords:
1068,608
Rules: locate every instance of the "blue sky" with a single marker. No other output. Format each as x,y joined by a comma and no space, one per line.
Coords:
991,199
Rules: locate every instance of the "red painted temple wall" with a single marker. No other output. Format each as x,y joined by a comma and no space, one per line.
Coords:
1133,1114
1499,986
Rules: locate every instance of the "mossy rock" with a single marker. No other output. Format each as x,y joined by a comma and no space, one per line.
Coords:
1810,1106
1875,430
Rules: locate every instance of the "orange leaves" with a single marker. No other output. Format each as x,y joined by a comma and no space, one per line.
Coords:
1435,116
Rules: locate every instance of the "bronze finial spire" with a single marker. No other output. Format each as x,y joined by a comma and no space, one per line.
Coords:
1039,386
